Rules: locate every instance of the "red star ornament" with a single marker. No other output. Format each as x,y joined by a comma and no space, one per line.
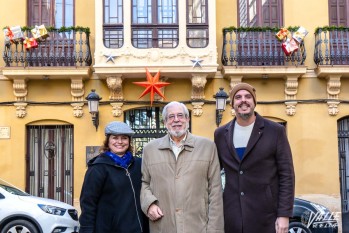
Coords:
152,86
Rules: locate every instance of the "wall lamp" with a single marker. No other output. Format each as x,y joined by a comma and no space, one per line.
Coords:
221,101
93,102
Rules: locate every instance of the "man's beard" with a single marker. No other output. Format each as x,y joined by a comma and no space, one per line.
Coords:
245,116
179,133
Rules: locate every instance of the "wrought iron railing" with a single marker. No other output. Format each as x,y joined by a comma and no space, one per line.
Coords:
257,47
61,48
331,46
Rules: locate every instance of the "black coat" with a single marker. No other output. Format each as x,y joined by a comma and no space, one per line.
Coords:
260,187
109,201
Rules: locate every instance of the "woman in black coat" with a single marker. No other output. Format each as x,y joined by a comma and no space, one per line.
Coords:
110,193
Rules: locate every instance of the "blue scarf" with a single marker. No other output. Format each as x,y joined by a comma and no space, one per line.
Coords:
123,161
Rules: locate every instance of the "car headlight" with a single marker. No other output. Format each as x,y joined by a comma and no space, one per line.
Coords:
52,209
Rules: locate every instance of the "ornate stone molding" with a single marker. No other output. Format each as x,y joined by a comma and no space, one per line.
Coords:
77,91
333,107
77,109
21,109
115,86
117,110
333,90
179,55
20,91
198,82
197,108
291,108
291,89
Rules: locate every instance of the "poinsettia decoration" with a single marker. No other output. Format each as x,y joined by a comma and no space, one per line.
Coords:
152,86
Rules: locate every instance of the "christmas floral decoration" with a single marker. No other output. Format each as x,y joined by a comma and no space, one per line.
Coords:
30,43
152,86
258,29
13,34
39,32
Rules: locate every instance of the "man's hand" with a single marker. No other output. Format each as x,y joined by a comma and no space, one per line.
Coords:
154,212
281,225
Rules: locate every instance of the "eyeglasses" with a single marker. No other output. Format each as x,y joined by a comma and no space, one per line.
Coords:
172,117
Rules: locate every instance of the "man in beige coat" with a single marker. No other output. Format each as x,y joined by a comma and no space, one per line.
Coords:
181,184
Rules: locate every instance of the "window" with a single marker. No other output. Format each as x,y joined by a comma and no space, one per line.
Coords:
113,29
197,23
338,11
154,23
56,13
259,13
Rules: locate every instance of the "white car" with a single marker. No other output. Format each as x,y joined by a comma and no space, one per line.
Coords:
21,212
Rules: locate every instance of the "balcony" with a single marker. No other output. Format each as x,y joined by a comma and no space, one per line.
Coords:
331,55
65,54
67,47
256,53
257,47
331,46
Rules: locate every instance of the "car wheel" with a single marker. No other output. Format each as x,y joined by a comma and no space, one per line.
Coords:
296,227
19,226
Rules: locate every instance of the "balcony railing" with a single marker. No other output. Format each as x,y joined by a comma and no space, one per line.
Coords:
257,47
331,46
69,47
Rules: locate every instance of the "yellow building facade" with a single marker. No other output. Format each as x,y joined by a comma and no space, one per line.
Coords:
38,96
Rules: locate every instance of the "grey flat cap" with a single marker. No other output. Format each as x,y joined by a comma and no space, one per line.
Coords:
118,128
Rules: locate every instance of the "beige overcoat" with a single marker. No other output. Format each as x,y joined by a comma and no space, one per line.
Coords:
188,190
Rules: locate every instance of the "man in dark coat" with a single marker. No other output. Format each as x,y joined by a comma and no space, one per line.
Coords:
259,174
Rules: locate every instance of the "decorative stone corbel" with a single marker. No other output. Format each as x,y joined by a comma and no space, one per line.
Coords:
333,107
291,108
21,109
291,89
234,80
197,108
115,86
77,92
333,90
20,91
77,109
198,82
117,110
